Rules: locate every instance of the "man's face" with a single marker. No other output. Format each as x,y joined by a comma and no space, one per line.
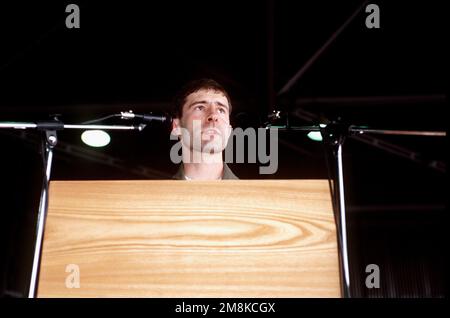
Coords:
206,121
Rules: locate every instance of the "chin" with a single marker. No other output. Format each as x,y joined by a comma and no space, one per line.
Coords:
211,148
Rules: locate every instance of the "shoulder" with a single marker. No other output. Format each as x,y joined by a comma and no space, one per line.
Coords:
228,174
180,174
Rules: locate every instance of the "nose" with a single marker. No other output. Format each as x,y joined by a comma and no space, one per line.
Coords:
212,115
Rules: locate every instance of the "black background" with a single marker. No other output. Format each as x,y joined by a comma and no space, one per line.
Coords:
135,55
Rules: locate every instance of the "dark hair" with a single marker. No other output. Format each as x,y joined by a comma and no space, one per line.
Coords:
192,87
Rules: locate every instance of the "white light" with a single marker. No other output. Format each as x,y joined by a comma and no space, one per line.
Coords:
315,135
95,138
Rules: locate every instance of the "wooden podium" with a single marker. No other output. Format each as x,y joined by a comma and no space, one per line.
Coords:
232,238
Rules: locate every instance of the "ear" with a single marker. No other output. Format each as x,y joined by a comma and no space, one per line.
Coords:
176,131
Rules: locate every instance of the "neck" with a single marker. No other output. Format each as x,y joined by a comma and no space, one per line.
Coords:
210,166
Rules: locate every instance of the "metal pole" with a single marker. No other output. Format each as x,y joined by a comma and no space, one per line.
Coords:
25,125
343,222
50,142
357,130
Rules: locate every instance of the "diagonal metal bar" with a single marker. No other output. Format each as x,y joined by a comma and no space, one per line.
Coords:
382,144
322,49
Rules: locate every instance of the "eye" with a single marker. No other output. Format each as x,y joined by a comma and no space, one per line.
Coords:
199,107
223,110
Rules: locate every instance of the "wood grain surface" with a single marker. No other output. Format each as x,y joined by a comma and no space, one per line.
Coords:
233,238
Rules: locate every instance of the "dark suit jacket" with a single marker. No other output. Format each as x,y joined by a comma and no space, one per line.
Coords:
227,173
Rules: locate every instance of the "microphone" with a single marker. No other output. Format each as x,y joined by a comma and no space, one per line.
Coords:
145,117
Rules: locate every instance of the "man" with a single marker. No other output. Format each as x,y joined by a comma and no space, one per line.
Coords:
202,123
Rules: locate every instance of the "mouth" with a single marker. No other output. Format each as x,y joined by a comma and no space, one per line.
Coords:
211,131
